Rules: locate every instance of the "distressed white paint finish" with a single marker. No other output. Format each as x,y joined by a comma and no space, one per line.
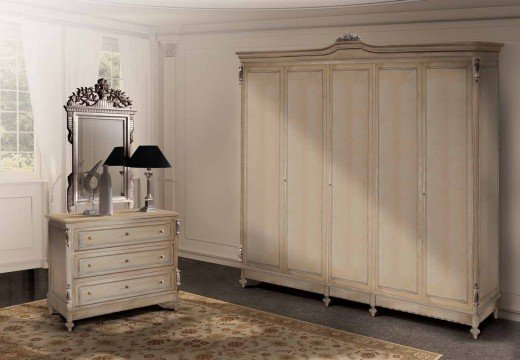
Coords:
447,256
398,238
351,109
221,48
263,121
305,98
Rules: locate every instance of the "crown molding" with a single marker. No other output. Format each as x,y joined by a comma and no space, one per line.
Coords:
19,12
487,13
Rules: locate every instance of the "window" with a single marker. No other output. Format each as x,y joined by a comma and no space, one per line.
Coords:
110,64
16,120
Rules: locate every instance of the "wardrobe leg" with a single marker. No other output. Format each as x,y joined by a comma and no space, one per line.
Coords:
242,281
326,301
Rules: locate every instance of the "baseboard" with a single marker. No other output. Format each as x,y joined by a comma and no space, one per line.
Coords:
509,306
23,265
209,258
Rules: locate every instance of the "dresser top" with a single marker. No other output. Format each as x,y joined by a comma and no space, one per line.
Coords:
118,215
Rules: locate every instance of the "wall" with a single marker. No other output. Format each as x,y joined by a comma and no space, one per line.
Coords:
207,129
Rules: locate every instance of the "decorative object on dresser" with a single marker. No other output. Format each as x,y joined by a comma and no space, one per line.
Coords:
370,173
99,118
115,158
100,265
105,193
148,157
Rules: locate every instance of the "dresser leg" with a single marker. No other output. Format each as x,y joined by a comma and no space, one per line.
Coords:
171,305
475,332
495,313
372,311
69,325
52,311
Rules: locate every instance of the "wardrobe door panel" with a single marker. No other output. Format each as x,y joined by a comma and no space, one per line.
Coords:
398,240
446,183
350,176
305,170
263,187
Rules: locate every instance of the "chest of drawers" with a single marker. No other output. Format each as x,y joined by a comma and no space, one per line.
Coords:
100,265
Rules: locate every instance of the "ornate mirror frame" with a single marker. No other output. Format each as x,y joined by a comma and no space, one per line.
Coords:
100,102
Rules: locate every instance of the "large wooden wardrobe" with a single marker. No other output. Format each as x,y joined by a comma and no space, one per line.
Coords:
370,173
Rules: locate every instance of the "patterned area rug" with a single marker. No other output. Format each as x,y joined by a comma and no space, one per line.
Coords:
200,329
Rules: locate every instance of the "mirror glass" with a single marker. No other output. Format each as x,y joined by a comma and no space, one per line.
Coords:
97,137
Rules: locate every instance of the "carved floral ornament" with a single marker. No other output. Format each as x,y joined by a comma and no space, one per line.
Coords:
348,37
90,96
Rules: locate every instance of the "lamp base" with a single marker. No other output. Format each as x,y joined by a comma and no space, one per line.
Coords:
148,206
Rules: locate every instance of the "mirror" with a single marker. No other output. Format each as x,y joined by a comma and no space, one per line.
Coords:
99,119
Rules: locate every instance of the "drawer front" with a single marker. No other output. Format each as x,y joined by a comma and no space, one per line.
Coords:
95,293
124,235
142,259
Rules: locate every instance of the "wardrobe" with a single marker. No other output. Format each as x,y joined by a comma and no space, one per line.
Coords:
370,173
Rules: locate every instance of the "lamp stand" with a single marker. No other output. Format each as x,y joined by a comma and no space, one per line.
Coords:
148,200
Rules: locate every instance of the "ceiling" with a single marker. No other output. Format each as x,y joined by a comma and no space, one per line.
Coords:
161,13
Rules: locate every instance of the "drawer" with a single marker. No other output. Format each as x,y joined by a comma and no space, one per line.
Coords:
125,235
113,263
123,288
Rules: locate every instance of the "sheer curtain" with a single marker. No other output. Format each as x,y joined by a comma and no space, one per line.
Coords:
44,65
135,68
82,56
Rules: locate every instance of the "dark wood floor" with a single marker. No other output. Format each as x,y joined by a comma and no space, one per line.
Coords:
500,339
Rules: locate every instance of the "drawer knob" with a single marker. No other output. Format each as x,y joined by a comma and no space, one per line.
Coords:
161,231
89,265
127,287
127,233
162,256
90,293
161,282
126,260
89,238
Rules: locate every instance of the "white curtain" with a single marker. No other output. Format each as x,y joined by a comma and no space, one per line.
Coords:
135,70
82,55
44,62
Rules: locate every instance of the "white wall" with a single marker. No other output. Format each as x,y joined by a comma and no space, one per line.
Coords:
207,129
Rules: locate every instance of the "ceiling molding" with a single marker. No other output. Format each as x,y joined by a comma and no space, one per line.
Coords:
487,13
14,11
248,4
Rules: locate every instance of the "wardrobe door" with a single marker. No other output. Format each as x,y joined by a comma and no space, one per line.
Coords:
448,252
351,176
305,170
399,244
262,186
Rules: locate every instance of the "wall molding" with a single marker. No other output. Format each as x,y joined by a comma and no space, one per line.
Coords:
11,9
404,17
209,258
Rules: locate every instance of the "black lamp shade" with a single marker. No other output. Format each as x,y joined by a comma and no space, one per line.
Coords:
116,157
148,156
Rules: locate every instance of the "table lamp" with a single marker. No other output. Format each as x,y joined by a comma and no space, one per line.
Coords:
117,158
148,157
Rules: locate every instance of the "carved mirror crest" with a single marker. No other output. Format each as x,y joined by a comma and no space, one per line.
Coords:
99,119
